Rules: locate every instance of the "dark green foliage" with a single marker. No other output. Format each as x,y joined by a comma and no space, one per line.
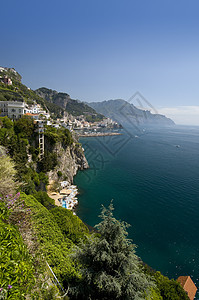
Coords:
55,110
66,137
59,174
77,108
110,268
43,178
32,181
16,267
44,199
71,226
34,152
61,135
24,127
49,162
6,122
94,118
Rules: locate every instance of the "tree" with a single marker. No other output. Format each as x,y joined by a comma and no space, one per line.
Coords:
109,267
24,126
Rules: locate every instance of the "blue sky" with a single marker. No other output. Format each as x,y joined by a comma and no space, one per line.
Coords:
100,50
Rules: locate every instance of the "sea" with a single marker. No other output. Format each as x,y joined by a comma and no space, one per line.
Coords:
152,177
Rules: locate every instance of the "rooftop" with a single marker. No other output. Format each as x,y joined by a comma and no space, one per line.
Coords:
188,285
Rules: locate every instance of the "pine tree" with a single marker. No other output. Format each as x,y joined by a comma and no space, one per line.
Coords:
109,266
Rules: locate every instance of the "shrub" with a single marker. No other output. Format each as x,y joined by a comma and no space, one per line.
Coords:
169,289
44,199
71,226
53,245
59,174
24,126
16,268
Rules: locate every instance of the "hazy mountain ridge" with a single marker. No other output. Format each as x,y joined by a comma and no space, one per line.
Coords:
127,114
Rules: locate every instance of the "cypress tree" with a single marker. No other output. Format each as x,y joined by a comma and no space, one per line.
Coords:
109,266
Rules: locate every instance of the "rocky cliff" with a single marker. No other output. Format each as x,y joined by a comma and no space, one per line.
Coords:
70,160
63,100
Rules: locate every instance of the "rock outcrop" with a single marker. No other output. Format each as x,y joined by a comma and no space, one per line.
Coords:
70,160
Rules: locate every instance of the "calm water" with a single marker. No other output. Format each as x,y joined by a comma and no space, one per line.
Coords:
154,181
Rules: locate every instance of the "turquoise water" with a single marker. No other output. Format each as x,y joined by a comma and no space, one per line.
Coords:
153,180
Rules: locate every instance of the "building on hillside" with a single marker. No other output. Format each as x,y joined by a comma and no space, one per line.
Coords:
12,109
6,80
188,285
36,110
34,116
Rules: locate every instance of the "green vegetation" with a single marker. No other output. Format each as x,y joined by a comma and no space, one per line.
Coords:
44,199
55,247
16,266
20,139
71,226
167,289
94,118
7,94
7,173
110,268
55,135
77,108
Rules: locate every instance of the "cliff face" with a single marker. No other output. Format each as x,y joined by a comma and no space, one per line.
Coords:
60,99
63,100
70,160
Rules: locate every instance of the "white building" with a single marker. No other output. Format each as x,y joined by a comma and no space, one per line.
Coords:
36,110
12,109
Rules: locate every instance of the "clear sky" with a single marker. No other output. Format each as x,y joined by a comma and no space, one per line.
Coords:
97,50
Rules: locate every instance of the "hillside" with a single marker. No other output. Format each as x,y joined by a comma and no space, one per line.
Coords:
127,114
73,107
17,91
56,103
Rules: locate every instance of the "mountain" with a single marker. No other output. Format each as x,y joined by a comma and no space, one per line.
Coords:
73,107
126,113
